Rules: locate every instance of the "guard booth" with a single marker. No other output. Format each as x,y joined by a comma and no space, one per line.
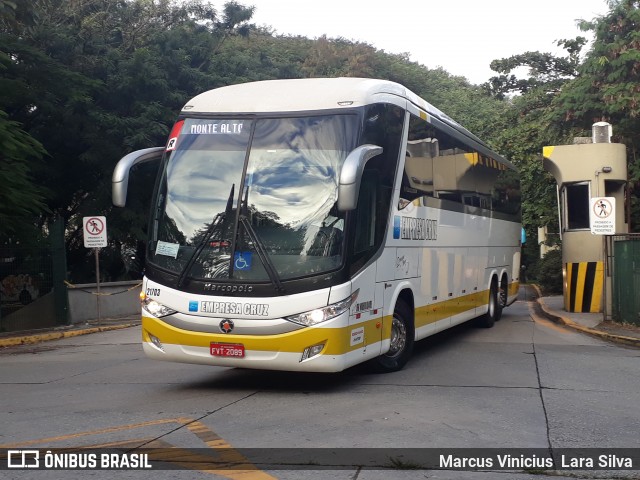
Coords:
591,177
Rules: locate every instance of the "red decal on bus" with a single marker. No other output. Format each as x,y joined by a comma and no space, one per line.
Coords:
173,137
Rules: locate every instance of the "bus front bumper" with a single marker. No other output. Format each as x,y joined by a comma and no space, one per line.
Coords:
314,349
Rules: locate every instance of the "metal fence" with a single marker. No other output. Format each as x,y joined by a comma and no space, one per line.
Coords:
26,283
623,268
32,292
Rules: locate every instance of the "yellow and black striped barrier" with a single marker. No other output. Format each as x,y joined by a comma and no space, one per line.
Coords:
583,292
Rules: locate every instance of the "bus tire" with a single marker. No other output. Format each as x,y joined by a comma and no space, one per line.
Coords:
494,309
402,340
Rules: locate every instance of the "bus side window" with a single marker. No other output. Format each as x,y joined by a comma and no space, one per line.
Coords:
421,151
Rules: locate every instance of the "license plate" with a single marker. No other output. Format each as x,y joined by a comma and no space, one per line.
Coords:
227,350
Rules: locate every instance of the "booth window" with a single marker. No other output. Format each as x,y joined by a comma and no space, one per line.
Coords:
576,203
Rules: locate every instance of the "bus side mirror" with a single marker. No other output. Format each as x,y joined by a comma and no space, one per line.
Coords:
120,177
351,174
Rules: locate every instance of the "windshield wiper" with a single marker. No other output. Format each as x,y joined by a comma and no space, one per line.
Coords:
259,246
219,218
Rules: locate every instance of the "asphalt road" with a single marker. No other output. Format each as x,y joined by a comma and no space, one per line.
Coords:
526,383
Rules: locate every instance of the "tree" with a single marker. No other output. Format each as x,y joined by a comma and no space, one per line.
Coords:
340,58
91,80
528,126
607,87
20,198
545,70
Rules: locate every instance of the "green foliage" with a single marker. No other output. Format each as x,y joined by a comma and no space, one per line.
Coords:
83,83
527,128
340,58
548,273
89,81
607,87
544,69
19,197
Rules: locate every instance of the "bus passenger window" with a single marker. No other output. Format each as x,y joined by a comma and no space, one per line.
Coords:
422,148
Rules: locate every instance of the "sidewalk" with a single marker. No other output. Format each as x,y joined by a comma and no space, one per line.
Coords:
27,337
589,323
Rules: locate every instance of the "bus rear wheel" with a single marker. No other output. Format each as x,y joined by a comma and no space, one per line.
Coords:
401,341
494,310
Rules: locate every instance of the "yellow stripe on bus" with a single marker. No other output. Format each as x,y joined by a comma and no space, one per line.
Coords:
336,340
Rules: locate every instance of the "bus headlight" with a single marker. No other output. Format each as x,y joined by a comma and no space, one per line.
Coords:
319,315
155,308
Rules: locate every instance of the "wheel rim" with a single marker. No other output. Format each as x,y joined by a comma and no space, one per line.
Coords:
398,337
502,296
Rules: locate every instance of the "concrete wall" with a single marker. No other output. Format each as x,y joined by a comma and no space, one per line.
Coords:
117,299
38,314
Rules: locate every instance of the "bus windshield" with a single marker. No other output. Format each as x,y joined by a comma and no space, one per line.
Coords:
252,199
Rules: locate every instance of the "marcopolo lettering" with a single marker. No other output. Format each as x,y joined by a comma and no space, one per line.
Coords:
232,308
211,287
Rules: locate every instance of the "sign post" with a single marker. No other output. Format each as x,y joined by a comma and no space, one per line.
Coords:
95,236
602,215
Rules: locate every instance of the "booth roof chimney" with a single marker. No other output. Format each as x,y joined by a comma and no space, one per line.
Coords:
601,132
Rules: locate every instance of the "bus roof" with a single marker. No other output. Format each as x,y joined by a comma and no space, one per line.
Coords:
309,94
294,95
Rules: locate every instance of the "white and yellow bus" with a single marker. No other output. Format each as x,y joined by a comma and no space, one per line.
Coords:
314,224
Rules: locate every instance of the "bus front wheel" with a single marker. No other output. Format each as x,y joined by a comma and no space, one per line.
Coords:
401,341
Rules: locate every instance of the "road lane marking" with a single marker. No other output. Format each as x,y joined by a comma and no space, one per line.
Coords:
102,431
165,452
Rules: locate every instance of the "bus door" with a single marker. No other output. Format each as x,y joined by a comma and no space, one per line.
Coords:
367,310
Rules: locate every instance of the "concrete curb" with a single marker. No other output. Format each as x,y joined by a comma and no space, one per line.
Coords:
55,335
553,316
